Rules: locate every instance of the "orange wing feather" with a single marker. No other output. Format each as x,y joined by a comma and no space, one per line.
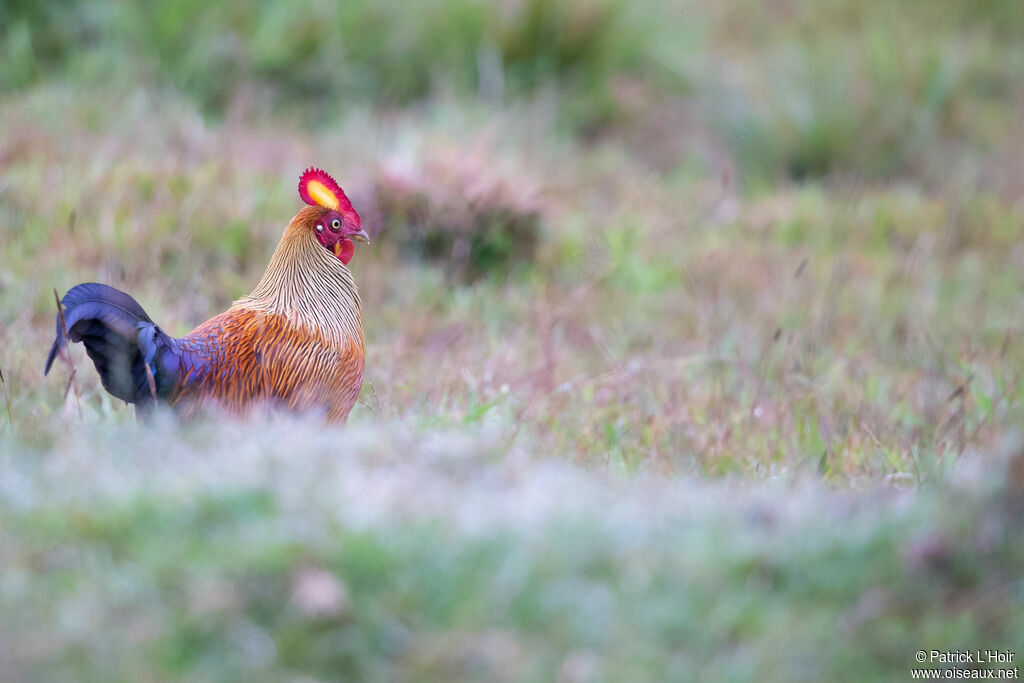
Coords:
248,357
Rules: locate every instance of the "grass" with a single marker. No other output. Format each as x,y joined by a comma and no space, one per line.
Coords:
682,327
733,356
412,554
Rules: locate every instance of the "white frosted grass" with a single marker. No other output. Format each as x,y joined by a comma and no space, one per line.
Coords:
371,474
557,529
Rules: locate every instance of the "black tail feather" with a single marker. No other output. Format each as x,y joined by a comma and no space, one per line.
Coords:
119,338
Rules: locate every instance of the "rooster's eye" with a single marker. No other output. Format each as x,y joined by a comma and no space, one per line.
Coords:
319,227
335,224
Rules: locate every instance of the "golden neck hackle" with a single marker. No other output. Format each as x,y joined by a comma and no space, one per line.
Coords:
309,285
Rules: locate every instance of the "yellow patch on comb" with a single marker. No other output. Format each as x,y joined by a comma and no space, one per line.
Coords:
317,188
322,194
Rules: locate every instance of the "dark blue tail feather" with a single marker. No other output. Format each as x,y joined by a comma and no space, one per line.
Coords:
122,342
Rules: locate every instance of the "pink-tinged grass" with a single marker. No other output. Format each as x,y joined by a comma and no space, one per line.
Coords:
739,399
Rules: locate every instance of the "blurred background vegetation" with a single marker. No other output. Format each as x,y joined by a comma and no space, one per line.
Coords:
694,333
791,86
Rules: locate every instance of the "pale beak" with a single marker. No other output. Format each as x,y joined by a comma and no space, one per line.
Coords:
360,236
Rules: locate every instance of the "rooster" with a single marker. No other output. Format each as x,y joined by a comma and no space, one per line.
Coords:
295,341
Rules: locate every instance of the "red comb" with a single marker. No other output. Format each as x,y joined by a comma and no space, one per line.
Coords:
317,188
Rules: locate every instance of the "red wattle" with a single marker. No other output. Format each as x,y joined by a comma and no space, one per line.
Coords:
348,248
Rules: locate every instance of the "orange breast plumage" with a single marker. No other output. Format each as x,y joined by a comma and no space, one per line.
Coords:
243,358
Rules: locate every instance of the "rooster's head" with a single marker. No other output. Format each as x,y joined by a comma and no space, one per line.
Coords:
338,224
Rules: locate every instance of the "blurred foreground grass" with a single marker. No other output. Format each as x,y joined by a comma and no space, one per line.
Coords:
398,553
694,340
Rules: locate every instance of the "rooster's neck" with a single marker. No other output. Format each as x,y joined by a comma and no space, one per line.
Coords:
308,284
